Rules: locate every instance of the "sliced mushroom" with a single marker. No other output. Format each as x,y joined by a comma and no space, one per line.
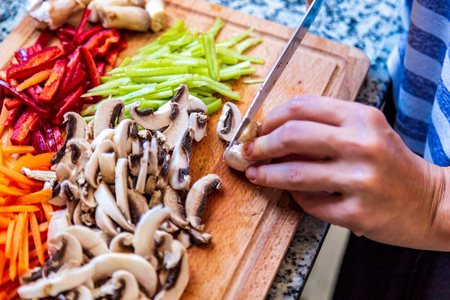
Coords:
105,265
92,166
198,238
197,197
195,105
75,128
179,177
143,242
67,252
80,152
122,243
122,286
229,121
89,132
137,204
179,123
250,132
163,178
169,227
150,185
234,159
134,163
149,119
156,199
62,281
122,187
105,223
87,196
142,175
77,215
185,239
64,172
153,158
106,201
109,112
177,279
59,222
172,200
107,134
39,175
173,253
107,163
70,190
87,216
91,244
197,121
81,292
121,137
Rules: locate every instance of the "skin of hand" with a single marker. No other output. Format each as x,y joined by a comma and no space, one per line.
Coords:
308,3
343,163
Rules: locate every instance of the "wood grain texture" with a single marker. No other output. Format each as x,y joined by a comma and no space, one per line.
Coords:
252,227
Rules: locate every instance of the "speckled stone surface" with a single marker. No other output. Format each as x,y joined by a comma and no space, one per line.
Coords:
371,25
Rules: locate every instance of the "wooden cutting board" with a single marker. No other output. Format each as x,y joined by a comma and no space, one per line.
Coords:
252,226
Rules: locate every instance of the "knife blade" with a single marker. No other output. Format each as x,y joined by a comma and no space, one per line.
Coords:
278,68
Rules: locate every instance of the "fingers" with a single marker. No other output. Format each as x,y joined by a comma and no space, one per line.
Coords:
294,137
308,3
309,108
297,176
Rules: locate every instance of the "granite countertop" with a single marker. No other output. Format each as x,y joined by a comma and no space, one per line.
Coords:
371,25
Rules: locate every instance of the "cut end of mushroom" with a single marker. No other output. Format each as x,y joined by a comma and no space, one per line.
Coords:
229,121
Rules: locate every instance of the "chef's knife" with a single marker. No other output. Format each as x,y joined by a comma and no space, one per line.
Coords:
278,68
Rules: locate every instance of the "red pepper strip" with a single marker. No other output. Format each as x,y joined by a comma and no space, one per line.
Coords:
37,123
67,32
69,26
83,22
14,83
58,137
22,126
91,99
21,55
27,140
13,103
32,92
38,142
72,103
102,39
101,68
13,116
84,36
24,98
37,88
74,58
66,42
50,137
53,83
34,49
36,62
90,67
113,53
43,39
77,78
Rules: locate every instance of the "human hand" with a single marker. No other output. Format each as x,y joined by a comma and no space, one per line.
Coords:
308,3
374,184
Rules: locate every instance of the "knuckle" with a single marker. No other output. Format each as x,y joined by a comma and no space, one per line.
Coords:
296,104
294,176
288,132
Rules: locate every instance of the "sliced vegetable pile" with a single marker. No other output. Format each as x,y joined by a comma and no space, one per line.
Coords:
46,82
24,215
180,56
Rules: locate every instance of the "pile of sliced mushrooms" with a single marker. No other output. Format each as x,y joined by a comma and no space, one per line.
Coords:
130,210
136,15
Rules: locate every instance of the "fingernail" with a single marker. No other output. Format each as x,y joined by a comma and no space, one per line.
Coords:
251,173
248,148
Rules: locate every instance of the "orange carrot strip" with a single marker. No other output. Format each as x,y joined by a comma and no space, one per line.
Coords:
2,264
34,161
17,242
17,177
13,294
24,254
33,198
18,149
19,208
48,210
9,237
3,295
43,227
1,156
37,238
36,78
4,222
9,190
9,161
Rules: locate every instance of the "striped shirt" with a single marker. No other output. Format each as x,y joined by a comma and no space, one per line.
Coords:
420,68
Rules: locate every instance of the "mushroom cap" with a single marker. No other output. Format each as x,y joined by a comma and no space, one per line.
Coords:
69,251
90,242
58,223
198,196
122,134
122,243
234,159
62,281
229,121
81,292
148,118
179,123
75,128
127,285
172,200
105,265
109,112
